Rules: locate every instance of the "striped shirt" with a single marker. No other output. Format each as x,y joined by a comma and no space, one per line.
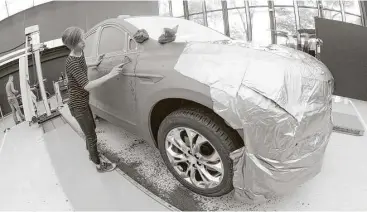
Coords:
77,73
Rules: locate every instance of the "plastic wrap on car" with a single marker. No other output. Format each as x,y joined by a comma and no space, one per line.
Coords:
281,98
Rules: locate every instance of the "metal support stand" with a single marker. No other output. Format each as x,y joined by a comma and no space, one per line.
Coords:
32,36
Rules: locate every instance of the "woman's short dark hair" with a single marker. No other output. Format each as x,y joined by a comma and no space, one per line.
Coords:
72,36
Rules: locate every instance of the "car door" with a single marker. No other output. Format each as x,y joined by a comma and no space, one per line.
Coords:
90,53
117,96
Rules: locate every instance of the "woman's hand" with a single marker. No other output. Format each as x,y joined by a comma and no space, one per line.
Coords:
100,58
117,70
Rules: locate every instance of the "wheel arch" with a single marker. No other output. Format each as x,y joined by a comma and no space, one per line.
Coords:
162,107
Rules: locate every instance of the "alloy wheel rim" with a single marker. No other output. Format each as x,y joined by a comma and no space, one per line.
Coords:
194,158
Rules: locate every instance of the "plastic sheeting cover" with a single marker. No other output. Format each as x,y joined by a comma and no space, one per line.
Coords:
282,100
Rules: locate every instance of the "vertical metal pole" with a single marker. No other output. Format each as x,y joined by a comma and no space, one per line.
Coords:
320,8
40,81
186,9
248,21
341,3
298,23
2,118
272,22
205,14
170,8
33,32
225,18
7,9
25,90
363,12
296,14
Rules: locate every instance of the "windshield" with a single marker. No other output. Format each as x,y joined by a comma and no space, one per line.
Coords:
187,30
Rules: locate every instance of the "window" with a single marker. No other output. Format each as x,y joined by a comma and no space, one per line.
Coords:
213,5
237,23
307,17
352,7
258,2
283,2
353,19
164,8
195,7
132,44
307,3
89,44
16,6
197,18
112,40
215,21
261,33
285,20
235,3
333,15
177,8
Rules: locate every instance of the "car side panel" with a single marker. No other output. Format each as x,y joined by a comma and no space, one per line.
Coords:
157,80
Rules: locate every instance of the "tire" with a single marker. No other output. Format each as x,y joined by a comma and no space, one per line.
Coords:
219,135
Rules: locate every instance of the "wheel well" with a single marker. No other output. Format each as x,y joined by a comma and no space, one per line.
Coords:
164,107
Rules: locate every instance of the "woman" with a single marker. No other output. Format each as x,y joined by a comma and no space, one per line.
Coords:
79,87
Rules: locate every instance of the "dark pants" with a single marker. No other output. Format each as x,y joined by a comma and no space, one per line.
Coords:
14,105
313,53
88,126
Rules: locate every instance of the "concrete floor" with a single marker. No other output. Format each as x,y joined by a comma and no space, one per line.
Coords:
51,171
28,180
341,185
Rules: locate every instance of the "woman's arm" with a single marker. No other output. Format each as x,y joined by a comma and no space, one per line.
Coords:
96,64
93,64
98,82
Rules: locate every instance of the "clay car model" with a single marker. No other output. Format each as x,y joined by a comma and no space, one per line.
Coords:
170,109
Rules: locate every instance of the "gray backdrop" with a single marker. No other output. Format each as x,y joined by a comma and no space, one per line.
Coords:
344,52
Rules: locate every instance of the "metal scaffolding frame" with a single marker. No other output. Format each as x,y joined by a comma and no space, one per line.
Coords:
272,16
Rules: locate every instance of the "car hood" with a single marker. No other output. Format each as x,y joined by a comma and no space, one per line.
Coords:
286,76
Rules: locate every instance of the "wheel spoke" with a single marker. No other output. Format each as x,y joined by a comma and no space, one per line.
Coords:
176,158
208,176
175,139
216,167
213,158
193,177
191,136
206,181
199,141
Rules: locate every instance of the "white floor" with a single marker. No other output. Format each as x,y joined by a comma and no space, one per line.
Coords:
52,172
35,175
28,180
341,185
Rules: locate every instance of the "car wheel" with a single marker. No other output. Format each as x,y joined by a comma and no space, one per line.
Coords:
195,145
